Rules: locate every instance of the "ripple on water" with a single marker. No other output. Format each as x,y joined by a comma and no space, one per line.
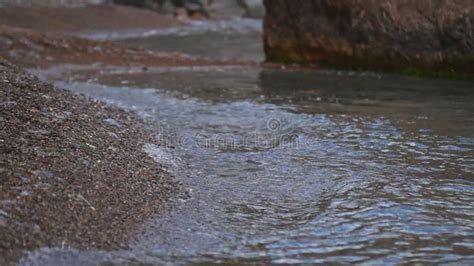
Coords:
390,182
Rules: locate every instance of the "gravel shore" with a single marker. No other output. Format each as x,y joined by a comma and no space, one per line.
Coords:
73,172
28,48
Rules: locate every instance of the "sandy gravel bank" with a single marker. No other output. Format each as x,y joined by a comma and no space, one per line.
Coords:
72,169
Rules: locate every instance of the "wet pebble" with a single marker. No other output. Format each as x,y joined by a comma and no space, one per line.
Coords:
43,173
39,132
113,135
8,104
112,122
111,148
36,229
3,217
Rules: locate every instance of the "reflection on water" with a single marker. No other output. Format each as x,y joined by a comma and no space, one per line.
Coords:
378,169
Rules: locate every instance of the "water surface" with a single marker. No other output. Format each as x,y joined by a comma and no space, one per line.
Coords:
286,166
291,166
233,39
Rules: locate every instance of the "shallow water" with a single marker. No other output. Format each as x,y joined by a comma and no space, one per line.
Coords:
234,39
295,166
301,166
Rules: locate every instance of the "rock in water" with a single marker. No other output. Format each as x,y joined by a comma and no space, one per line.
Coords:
433,35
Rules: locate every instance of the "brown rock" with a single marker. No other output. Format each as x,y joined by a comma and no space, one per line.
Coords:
435,35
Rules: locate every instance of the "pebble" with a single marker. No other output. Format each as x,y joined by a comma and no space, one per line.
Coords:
112,148
36,229
112,122
91,146
113,135
4,214
8,103
43,173
3,218
39,132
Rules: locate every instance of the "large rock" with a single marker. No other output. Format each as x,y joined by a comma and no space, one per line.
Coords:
436,35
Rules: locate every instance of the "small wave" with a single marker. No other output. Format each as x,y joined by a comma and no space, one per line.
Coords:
237,25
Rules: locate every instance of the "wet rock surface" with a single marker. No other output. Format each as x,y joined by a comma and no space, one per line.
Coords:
73,171
381,35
